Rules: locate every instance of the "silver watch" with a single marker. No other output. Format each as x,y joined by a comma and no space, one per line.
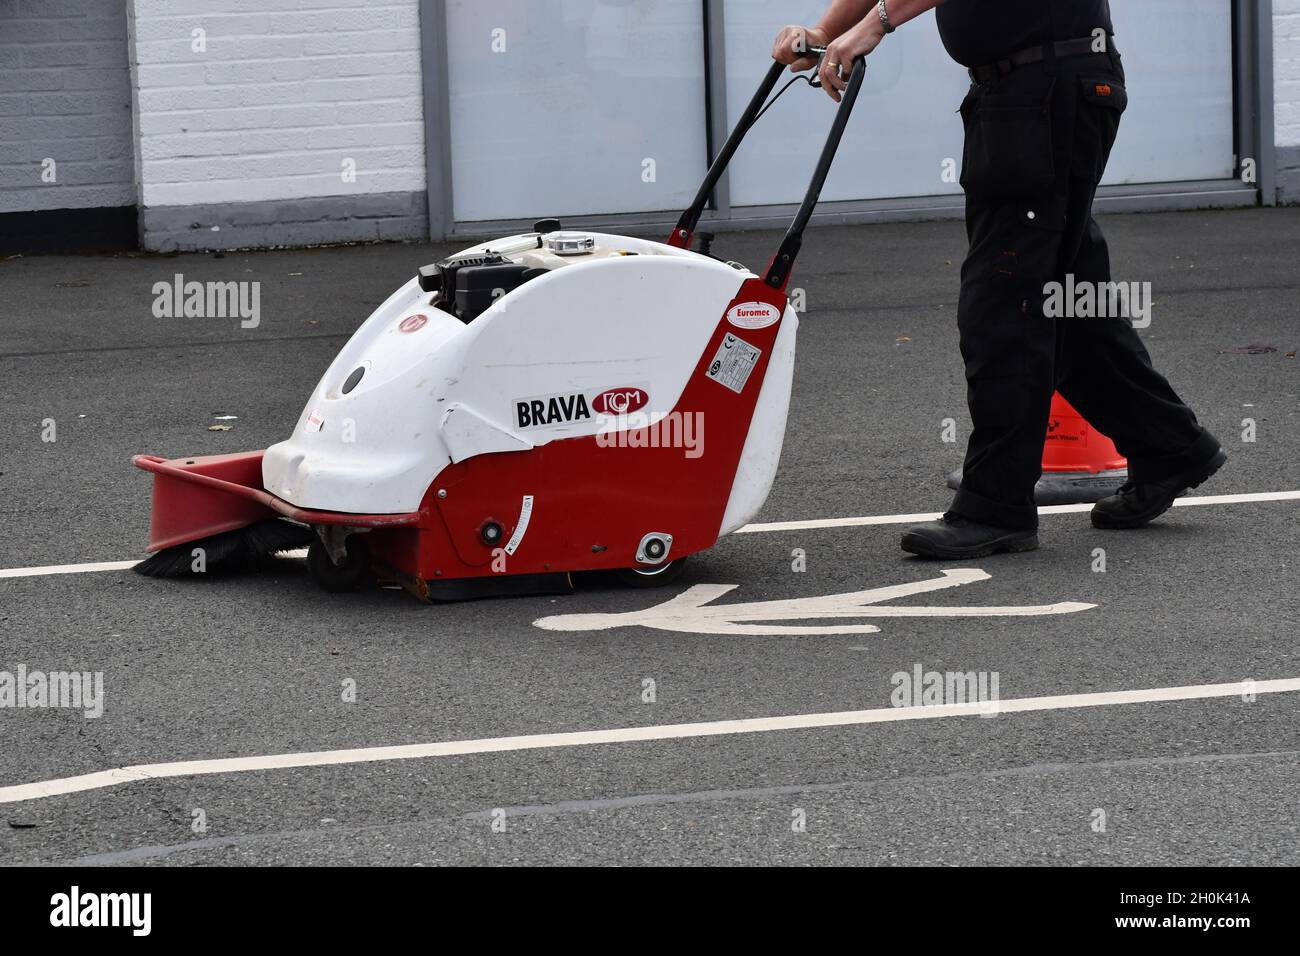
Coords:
884,17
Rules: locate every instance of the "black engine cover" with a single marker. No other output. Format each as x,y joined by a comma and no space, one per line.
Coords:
477,287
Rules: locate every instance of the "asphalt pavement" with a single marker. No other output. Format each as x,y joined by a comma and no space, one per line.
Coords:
260,665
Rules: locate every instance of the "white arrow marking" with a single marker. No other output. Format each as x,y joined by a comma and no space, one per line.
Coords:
688,611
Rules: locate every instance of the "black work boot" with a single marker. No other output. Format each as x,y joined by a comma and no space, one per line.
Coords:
1136,505
955,537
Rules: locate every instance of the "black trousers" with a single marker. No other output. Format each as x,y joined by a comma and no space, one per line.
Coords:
1037,142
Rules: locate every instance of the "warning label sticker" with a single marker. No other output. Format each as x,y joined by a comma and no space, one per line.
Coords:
733,363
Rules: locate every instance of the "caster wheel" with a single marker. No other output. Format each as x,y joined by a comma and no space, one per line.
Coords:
651,577
339,577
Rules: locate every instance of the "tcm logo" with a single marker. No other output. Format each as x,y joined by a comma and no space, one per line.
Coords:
620,401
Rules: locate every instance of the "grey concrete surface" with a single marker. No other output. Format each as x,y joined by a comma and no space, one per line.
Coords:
364,217
254,665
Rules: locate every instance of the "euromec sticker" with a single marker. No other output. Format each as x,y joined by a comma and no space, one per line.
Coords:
753,315
733,363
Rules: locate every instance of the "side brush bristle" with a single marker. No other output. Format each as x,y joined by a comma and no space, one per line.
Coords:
243,549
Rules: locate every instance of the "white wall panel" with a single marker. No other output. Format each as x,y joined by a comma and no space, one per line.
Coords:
565,118
1177,54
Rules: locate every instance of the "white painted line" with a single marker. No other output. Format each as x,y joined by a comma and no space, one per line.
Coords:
586,738
67,569
838,523
747,529
1198,501
102,566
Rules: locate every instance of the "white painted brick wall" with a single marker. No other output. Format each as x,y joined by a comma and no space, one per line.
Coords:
286,91
1286,71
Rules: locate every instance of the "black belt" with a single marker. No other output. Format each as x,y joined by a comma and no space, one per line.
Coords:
1035,54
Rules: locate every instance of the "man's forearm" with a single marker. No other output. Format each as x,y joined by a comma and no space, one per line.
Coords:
843,15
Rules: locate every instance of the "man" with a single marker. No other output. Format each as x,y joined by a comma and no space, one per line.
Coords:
1040,118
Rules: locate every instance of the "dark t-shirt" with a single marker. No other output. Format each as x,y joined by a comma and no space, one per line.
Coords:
976,32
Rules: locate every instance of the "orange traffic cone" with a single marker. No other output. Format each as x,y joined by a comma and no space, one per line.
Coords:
1080,464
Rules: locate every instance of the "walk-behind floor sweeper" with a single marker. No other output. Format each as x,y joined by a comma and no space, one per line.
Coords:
538,405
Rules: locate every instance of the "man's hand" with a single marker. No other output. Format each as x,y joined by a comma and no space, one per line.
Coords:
837,64
792,45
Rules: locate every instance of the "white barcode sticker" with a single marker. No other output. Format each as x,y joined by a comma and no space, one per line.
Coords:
733,363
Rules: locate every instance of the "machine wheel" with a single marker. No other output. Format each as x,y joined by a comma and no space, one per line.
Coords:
339,577
652,577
